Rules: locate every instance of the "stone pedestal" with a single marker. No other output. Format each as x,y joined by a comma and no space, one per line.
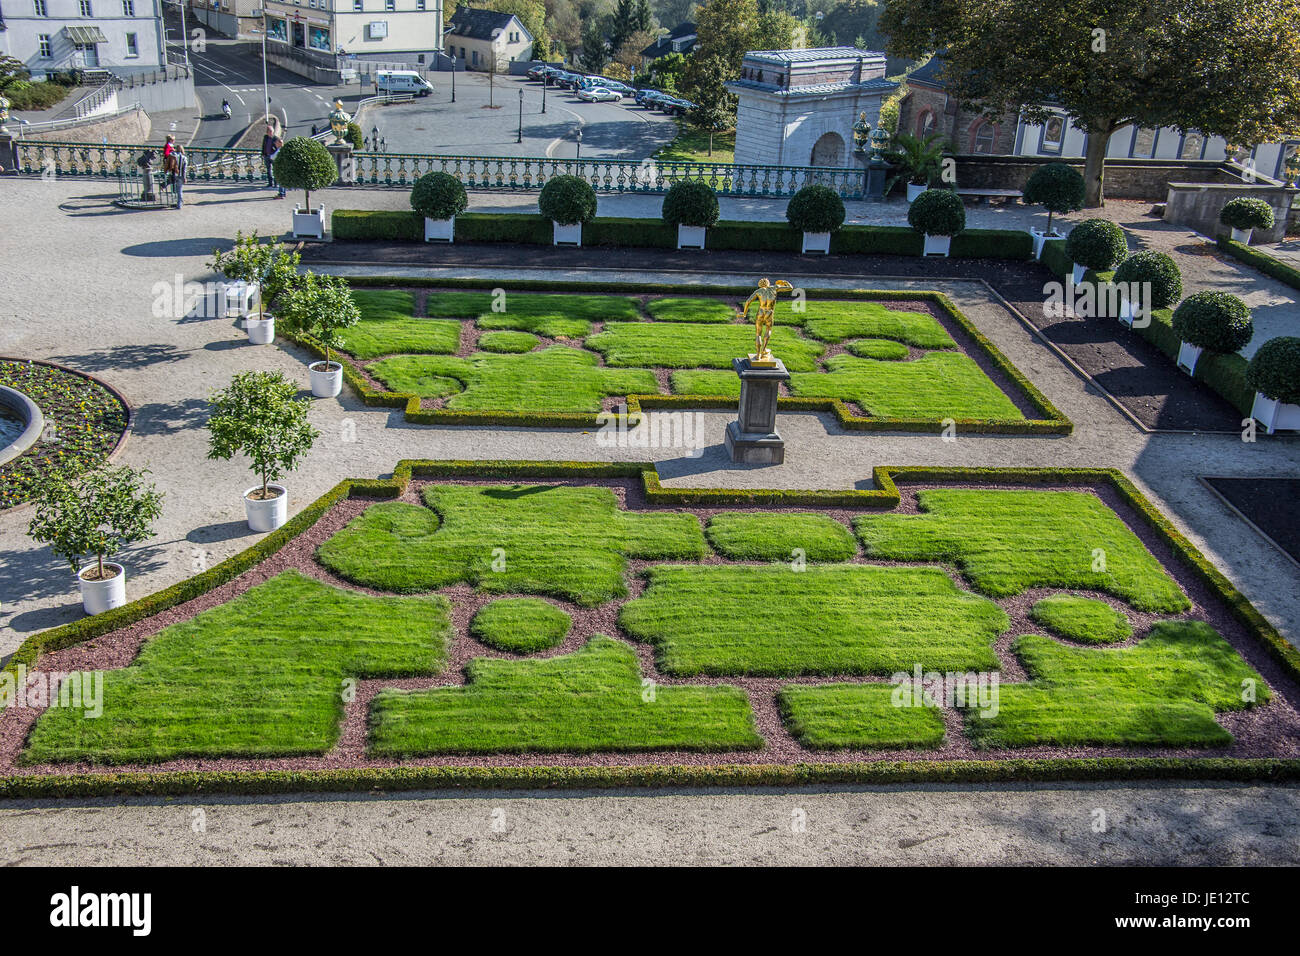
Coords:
343,159
8,152
752,438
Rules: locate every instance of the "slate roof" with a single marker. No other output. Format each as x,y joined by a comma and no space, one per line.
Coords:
475,24
820,89
818,53
665,45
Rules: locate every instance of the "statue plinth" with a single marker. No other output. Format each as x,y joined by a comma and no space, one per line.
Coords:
752,438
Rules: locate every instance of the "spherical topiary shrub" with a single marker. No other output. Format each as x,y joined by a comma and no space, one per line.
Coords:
305,164
1214,321
1096,243
1274,371
355,136
690,203
1246,213
937,212
1056,187
438,196
1157,270
815,209
568,200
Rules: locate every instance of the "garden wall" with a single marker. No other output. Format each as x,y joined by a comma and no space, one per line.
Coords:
1146,179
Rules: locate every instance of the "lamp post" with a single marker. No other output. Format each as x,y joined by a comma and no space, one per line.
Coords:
266,88
546,81
453,78
374,138
520,137
578,137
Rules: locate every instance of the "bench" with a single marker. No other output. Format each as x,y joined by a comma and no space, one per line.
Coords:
988,195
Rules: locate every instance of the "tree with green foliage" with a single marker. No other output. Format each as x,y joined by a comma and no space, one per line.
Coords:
1189,64
715,108
260,415
321,306
305,164
595,51
629,17
269,264
99,512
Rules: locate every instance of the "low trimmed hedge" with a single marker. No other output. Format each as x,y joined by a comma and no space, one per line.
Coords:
1269,265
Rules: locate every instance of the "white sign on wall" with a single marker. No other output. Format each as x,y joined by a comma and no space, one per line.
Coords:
378,29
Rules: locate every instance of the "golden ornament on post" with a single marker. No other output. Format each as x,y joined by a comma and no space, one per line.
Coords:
765,295
339,120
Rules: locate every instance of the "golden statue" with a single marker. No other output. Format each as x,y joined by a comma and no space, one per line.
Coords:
765,295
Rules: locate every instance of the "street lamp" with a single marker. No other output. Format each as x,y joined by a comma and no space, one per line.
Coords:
453,77
578,136
266,88
520,138
546,81
374,138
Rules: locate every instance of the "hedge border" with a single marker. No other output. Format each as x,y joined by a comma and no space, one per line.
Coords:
1269,265
1051,421
885,495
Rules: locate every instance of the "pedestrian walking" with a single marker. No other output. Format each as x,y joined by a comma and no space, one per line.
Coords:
180,168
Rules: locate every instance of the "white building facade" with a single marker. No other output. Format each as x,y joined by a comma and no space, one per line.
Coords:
408,31
51,36
486,40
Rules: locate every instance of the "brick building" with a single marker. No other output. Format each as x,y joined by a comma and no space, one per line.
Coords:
927,108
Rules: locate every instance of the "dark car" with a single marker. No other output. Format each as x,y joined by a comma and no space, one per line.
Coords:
641,97
537,72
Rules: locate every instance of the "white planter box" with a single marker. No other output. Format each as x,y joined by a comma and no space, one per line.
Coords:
269,514
566,235
326,381
1187,357
1126,312
937,245
1078,273
439,230
1275,414
817,242
236,299
1242,235
914,190
261,331
308,224
690,237
100,596
1040,237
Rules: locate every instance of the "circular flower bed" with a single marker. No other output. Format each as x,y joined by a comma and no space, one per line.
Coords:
84,422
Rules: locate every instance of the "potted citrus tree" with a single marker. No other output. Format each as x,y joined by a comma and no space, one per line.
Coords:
816,211
920,160
1274,374
691,206
1095,244
268,268
938,214
439,198
260,415
305,164
568,201
1147,280
96,514
1244,215
1210,322
1059,189
322,306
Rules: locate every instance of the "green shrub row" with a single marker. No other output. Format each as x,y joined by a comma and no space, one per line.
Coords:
1269,265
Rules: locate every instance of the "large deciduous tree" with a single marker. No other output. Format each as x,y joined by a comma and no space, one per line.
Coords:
1222,67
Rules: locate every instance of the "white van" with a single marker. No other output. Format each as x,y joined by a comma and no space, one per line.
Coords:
402,81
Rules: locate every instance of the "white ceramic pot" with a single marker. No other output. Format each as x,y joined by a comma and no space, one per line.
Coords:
98,596
566,235
1079,272
937,245
268,514
1242,235
326,379
1275,414
1188,355
261,330
914,190
1040,237
690,237
439,230
308,223
819,242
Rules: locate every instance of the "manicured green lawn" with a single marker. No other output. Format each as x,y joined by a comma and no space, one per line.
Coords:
752,536
827,619
507,341
691,310
592,699
837,321
878,349
259,676
1163,691
936,385
555,316
1082,619
557,379
520,625
693,345
388,326
860,716
697,381
569,542
1007,540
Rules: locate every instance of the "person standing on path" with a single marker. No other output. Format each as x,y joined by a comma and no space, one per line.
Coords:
180,167
270,146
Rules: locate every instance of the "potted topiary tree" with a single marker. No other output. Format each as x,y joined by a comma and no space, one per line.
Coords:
322,306
1147,280
1213,322
266,267
919,160
439,198
816,211
568,201
1244,215
260,415
1095,244
97,513
691,206
305,164
1274,374
938,214
1059,189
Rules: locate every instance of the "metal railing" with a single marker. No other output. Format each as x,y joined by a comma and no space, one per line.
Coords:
94,102
50,126
139,190
107,160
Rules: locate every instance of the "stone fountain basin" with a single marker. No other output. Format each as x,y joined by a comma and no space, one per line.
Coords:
26,411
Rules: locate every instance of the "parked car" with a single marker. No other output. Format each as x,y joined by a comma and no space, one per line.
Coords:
598,94
643,96
566,80
402,81
538,72
622,89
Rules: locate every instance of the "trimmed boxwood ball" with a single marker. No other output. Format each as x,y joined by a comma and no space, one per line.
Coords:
815,209
1056,187
937,212
1097,244
305,164
568,200
690,203
1214,321
1274,371
1246,213
438,196
1155,268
